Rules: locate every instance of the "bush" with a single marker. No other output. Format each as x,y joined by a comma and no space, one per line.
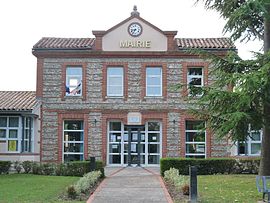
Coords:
48,169
27,166
37,168
17,166
172,176
71,192
205,166
247,166
185,189
87,181
4,166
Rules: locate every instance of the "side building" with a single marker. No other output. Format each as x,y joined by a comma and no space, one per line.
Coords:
114,97
19,126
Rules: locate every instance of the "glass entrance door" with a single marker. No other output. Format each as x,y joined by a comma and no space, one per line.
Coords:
134,145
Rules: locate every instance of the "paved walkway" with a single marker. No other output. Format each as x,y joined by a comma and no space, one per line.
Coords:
131,185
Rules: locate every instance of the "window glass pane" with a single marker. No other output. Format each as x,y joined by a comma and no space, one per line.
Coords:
13,134
73,136
74,71
73,125
115,71
194,125
73,81
115,159
153,159
12,145
115,91
3,121
73,157
3,133
73,147
194,71
195,137
13,122
255,148
153,126
115,126
115,137
153,71
115,148
195,148
195,81
241,148
153,148
153,137
255,136
115,81
154,81
153,91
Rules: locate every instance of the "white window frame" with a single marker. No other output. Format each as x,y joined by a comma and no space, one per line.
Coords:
72,142
112,85
190,77
197,143
69,77
248,143
19,131
32,134
154,76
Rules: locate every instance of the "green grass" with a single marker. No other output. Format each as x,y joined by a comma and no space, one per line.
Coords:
228,188
32,188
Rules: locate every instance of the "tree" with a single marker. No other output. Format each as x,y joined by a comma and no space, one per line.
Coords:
229,112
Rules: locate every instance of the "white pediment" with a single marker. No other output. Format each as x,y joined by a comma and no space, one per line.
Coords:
119,39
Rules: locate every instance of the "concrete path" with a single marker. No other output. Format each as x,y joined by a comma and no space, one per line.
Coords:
131,185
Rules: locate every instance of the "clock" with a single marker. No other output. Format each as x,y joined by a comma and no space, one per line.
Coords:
135,29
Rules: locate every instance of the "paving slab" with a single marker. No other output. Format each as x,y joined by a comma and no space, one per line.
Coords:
131,185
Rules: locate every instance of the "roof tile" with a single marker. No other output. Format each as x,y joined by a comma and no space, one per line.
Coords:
17,100
205,43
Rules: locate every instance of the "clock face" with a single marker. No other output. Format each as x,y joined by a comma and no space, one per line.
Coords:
135,29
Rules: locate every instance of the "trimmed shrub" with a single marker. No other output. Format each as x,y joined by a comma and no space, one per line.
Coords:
205,166
247,166
4,166
27,166
87,181
48,169
17,166
37,168
172,176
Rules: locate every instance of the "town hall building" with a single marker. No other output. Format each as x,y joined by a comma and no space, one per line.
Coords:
114,96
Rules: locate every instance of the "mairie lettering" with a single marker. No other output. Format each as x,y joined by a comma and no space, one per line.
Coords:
135,44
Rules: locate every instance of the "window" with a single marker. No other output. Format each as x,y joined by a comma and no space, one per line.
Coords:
9,131
73,141
252,146
153,81
195,139
73,81
195,78
27,137
115,81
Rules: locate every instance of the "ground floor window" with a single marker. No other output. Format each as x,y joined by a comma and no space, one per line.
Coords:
73,140
252,146
195,139
27,135
144,143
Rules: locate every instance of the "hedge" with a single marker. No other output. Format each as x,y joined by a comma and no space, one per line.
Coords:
211,165
74,168
4,166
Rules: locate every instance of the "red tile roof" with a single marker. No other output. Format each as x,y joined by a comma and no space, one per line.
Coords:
205,43
88,43
64,43
17,100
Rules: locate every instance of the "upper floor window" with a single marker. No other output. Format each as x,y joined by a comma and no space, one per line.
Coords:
252,146
115,81
74,81
195,139
195,78
153,81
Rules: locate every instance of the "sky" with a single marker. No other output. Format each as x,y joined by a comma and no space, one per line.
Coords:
23,23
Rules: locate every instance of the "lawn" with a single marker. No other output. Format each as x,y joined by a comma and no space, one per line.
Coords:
228,188
33,188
